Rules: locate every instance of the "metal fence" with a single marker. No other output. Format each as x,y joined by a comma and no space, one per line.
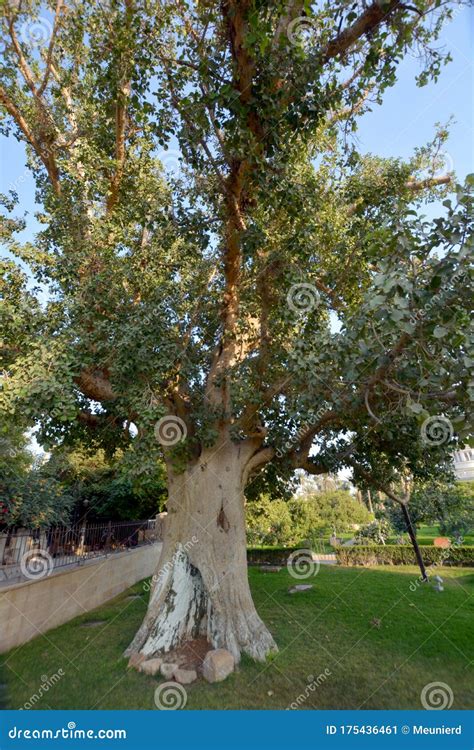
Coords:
25,553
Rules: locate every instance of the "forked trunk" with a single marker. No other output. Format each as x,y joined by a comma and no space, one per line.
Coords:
200,587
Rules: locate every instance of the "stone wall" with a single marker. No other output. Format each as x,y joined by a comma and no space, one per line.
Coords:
31,608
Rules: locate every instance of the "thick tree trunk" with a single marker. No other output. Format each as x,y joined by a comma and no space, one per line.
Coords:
200,587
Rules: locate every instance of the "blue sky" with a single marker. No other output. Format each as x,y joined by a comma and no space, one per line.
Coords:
406,119
408,115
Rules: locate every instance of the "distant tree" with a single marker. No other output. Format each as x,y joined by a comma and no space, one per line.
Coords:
35,501
269,522
336,511
304,518
107,487
309,484
450,505
16,457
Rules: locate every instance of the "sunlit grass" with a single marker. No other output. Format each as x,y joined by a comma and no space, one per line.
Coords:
380,641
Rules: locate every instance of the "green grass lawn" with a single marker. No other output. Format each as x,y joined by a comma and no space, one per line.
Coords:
423,636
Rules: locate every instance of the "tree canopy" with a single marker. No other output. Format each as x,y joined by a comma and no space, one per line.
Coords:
275,281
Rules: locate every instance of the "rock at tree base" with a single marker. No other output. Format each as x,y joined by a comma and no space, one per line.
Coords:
168,670
217,665
185,676
135,660
151,666
300,587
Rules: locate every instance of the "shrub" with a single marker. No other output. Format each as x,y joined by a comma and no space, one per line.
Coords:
269,555
393,554
377,531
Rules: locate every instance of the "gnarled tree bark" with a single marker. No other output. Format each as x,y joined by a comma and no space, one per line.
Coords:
200,587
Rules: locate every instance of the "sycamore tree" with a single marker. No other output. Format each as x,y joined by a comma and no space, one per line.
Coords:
230,285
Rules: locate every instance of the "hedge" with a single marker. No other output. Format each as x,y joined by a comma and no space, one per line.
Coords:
269,555
403,554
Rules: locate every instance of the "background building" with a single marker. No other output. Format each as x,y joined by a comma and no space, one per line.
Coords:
464,464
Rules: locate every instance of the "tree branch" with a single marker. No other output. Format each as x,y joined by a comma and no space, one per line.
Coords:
372,17
123,96
45,156
49,55
95,386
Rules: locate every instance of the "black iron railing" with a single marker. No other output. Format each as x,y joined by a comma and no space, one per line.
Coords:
33,553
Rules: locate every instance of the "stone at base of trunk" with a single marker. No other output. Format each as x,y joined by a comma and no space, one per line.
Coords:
185,676
217,665
168,669
150,666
